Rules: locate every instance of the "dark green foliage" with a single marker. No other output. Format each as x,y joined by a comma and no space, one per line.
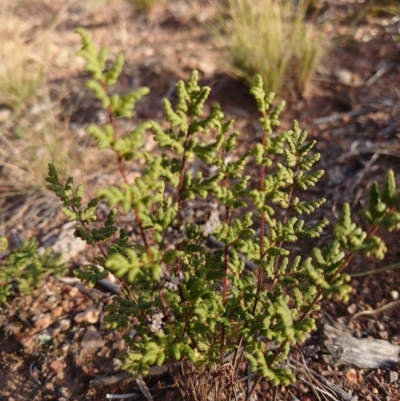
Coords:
190,301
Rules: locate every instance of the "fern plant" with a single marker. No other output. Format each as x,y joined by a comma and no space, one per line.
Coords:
211,278
25,267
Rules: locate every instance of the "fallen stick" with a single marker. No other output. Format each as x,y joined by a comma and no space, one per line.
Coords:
366,353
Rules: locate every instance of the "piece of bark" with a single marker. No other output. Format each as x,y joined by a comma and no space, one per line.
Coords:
344,349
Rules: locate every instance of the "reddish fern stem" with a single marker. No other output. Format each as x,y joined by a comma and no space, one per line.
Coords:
122,171
180,186
262,224
182,172
226,259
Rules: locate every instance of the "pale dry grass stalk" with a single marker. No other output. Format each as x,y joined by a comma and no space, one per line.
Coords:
271,38
23,162
21,68
32,135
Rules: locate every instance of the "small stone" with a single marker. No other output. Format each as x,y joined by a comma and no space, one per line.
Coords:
91,339
26,340
90,315
89,371
119,345
42,321
351,375
5,114
379,325
74,292
64,348
384,335
366,292
63,391
394,294
371,326
116,363
55,332
352,309
57,312
64,324
67,305
51,299
344,76
393,377
395,339
57,366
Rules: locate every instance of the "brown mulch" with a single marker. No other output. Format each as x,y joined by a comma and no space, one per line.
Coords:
351,107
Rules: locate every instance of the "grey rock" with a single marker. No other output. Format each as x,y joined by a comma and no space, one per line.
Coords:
92,339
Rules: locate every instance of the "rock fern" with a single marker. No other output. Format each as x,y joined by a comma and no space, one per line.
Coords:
212,270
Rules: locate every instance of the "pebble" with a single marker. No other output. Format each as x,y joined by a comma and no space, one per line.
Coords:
91,339
393,377
63,391
116,363
380,326
351,375
89,315
344,76
57,366
384,335
26,340
366,292
57,312
42,321
395,340
74,292
64,324
64,348
395,295
352,309
5,114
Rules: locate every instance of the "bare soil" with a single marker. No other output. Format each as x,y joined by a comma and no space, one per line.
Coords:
351,107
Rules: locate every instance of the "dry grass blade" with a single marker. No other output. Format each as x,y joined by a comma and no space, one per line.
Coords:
144,389
318,384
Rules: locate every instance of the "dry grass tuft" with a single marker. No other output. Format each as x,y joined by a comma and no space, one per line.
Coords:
271,38
32,135
26,149
21,60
